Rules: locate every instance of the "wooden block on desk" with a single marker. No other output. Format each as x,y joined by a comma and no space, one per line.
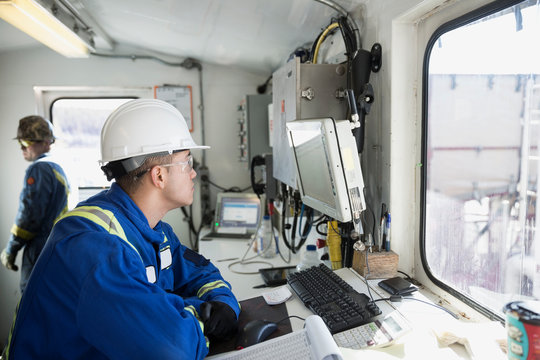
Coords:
382,264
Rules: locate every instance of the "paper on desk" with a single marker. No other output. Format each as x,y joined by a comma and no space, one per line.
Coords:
320,339
277,296
481,340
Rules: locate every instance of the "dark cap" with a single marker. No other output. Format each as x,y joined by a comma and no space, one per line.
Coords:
35,128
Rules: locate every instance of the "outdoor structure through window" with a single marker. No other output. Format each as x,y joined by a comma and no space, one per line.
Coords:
480,156
78,124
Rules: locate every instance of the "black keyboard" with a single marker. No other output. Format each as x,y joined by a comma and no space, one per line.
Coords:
336,302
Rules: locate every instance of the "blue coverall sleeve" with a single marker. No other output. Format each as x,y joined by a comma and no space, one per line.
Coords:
198,280
34,198
125,317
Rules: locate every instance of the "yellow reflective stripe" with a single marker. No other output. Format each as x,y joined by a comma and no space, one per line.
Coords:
207,342
23,234
191,309
103,218
64,182
210,286
11,329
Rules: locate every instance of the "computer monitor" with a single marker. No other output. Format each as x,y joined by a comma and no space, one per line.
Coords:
329,176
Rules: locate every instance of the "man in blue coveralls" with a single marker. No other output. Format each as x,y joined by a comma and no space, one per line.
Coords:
43,199
113,281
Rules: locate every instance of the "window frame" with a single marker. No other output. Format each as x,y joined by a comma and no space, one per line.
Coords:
46,96
460,21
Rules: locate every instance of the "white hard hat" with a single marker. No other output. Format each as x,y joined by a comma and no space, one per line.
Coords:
143,127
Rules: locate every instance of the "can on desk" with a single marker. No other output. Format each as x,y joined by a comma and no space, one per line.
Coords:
523,329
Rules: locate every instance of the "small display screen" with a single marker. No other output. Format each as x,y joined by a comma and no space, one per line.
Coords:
392,324
276,276
239,212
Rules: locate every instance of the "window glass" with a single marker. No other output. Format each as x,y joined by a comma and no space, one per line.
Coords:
78,124
481,157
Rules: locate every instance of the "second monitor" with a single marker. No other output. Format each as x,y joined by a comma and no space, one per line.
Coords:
329,175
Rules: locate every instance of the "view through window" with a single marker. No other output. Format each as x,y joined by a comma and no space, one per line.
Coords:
77,124
481,159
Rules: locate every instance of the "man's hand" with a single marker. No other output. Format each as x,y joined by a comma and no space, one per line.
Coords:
219,319
8,260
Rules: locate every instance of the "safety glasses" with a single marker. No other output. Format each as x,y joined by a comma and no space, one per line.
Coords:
26,143
186,165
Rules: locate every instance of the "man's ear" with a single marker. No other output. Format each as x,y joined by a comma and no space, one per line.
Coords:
158,176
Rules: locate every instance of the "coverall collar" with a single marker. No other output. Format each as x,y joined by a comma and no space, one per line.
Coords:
124,202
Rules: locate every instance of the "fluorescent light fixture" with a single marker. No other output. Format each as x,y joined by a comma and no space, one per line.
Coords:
62,32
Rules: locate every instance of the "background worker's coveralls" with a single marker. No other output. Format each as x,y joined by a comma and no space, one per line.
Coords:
43,199
109,286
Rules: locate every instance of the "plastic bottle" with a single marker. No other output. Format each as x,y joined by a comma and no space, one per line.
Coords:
310,258
266,243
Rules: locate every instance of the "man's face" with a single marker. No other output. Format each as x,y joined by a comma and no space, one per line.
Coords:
180,184
31,150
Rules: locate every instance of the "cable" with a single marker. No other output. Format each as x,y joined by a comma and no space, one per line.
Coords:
408,277
321,39
343,12
245,261
367,276
231,189
290,316
398,298
288,261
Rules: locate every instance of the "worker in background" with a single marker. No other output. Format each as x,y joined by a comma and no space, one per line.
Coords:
113,281
43,199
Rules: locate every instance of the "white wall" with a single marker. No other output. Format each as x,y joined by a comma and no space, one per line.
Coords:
224,87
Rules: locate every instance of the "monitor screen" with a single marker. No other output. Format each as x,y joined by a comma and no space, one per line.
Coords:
329,176
237,211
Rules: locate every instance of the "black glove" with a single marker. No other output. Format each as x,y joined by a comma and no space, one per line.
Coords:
219,319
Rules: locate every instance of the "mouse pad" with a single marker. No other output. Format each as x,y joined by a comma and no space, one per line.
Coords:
255,308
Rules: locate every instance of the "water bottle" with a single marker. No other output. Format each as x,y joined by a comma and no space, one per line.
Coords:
266,243
310,258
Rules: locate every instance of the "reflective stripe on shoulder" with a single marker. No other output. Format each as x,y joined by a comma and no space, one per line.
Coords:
210,286
103,218
62,180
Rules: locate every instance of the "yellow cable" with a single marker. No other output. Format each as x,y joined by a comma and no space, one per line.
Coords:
333,241
321,39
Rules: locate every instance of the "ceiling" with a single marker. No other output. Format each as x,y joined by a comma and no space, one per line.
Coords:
256,35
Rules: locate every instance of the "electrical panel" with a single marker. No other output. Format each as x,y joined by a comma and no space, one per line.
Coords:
303,91
253,127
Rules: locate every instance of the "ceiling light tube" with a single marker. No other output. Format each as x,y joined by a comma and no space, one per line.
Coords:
62,32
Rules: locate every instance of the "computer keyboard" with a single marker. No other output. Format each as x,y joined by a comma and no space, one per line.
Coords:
336,302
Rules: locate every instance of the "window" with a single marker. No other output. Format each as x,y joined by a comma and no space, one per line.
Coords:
481,139
78,124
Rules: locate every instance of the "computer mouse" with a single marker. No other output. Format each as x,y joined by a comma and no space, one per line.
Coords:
254,332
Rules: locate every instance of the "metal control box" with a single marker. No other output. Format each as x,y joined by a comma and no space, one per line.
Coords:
303,91
253,127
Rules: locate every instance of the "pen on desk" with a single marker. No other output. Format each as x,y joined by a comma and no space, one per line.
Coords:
228,259
388,221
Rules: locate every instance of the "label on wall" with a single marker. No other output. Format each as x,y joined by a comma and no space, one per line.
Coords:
178,96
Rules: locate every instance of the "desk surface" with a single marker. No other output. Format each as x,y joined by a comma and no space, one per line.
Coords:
420,343
242,277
